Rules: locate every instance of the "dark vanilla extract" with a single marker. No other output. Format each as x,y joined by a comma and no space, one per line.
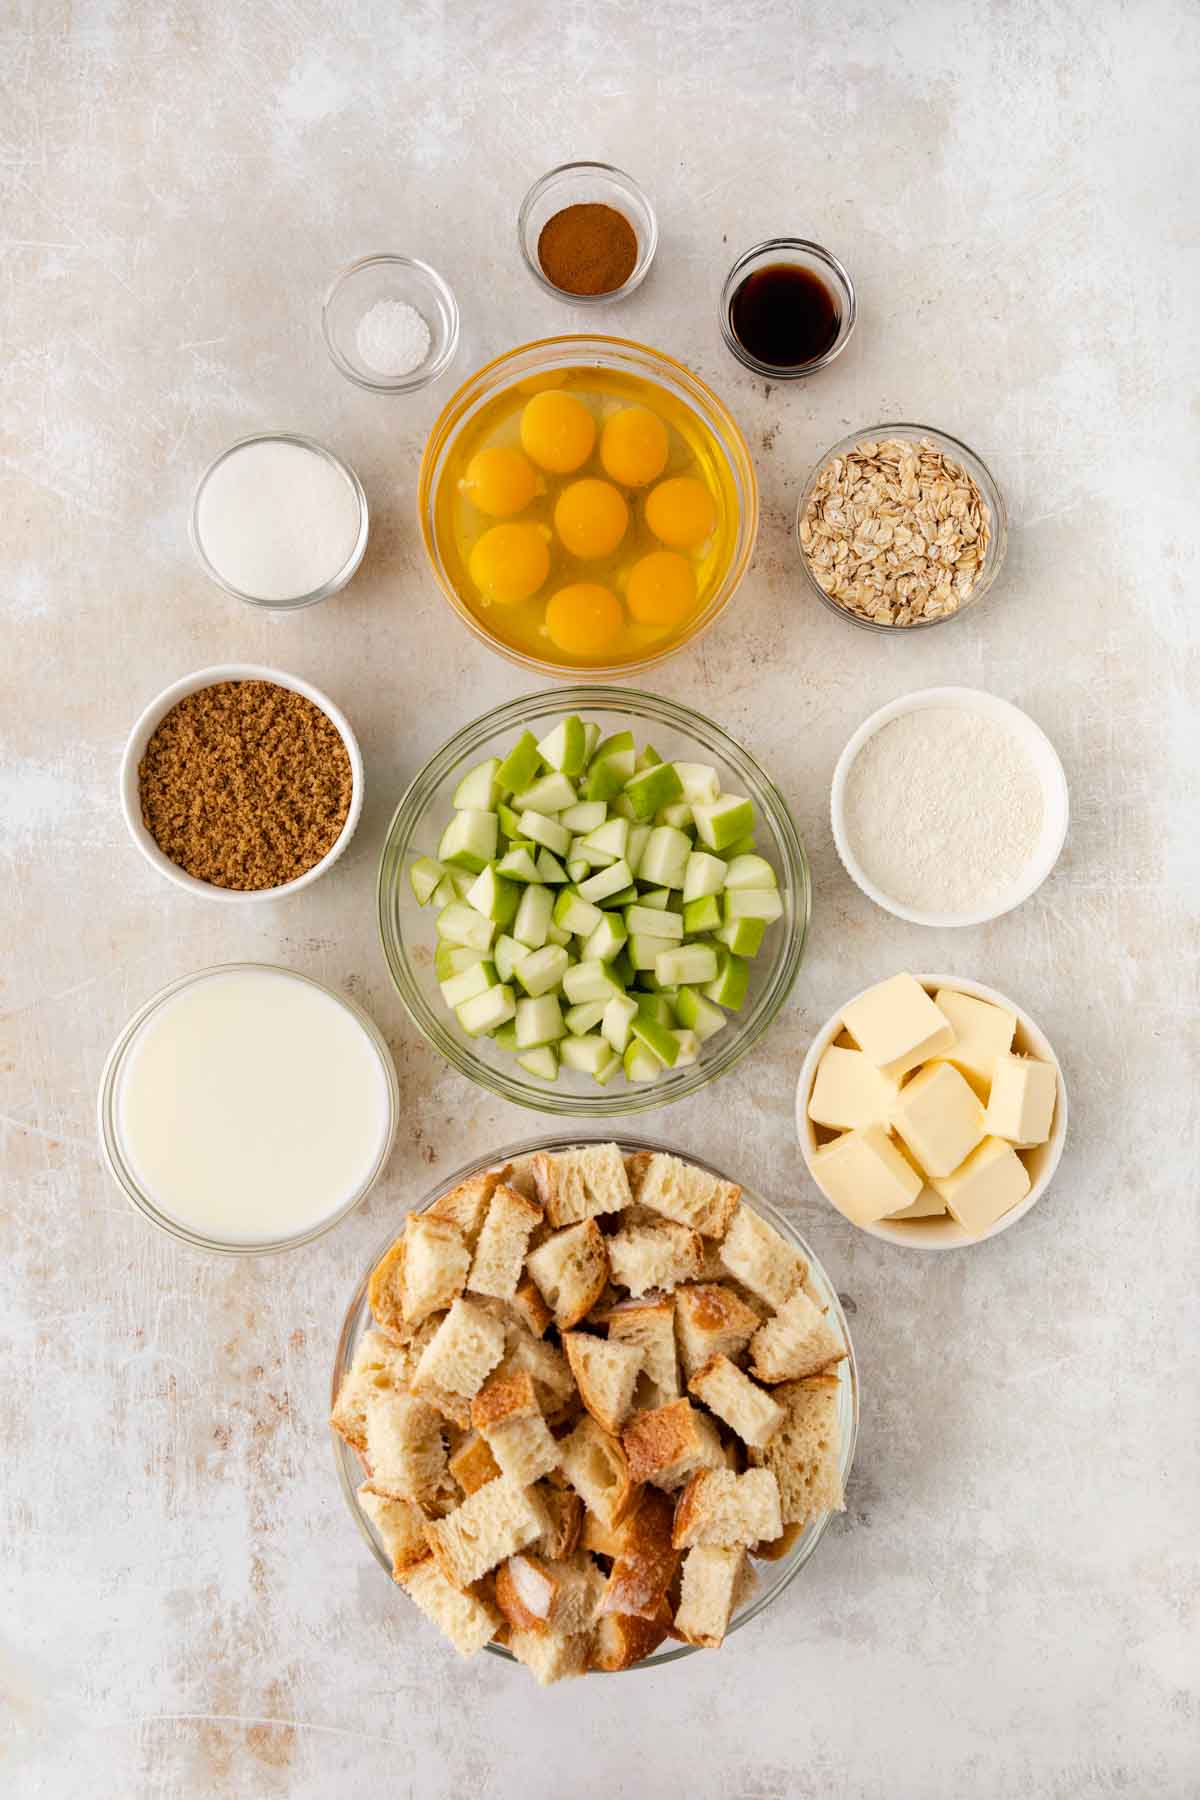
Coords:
784,315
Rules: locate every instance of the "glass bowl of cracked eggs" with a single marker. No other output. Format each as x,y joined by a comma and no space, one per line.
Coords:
900,527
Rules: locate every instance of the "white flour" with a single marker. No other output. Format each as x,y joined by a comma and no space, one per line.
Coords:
943,809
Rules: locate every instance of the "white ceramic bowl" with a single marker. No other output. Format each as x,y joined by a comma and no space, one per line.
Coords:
943,1232
142,732
1043,755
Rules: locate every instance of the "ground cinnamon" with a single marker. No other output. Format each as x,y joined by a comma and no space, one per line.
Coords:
588,249
245,784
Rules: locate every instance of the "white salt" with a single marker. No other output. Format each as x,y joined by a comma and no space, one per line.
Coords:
277,520
943,809
392,338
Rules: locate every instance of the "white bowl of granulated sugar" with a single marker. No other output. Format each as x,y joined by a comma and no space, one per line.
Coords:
949,807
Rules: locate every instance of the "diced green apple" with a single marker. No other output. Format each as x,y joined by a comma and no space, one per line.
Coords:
539,1021
653,788
494,897
732,980
701,915
752,903
658,1038
705,874
619,1014
469,840
472,981
576,914
486,1011
724,821
701,784
583,1018
606,941
604,882
749,872
549,869
423,878
533,918
506,954
520,765
590,981
590,1055
665,858
635,848
743,936
691,965
542,970
451,959
542,1062
551,793
640,1063
652,921
518,865
584,816
545,831
697,1014
566,747
459,923
479,789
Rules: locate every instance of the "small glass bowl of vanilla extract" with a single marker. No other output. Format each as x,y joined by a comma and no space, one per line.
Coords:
787,308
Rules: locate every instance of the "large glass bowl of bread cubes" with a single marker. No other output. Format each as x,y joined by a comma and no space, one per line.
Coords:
541,863
932,1111
588,505
594,1406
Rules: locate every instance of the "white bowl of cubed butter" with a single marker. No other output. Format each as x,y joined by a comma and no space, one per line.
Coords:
932,1111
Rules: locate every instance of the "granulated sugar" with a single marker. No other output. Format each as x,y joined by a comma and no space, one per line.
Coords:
943,809
277,520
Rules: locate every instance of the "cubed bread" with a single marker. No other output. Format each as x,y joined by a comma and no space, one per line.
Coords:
570,1270
619,1640
688,1195
466,1205
803,1455
503,1240
719,1507
462,1353
436,1263
468,1619
399,1526
491,1524
553,1381
537,1595
649,1325
668,1445
378,1365
798,1341
656,1256
405,1452
646,1562
712,1580
711,1321
636,1165
606,1372
579,1184
385,1293
550,1655
599,1538
778,1547
595,1464
760,1259
737,1401
506,1414
472,1464
531,1309
564,1513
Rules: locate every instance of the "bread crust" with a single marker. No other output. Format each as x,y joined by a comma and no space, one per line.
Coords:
644,1566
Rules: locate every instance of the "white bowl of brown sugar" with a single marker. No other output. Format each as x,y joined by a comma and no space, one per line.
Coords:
242,783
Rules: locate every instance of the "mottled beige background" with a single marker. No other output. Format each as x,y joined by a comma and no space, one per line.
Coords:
1007,1607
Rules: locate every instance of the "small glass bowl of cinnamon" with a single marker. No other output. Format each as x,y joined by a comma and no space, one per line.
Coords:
588,233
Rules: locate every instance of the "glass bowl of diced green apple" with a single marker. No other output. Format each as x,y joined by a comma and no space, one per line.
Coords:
593,901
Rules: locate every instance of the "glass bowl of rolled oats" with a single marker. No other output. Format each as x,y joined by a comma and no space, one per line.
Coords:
900,527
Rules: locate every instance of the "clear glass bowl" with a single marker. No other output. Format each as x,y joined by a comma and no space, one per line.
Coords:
541,358
122,1172
338,580
819,262
407,930
355,291
773,1577
583,184
984,480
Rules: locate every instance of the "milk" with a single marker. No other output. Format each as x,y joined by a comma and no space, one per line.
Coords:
252,1105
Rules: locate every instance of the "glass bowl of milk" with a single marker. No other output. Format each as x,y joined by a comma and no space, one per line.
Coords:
247,1108
279,521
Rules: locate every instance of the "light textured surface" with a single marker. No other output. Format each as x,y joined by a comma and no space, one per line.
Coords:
1008,1605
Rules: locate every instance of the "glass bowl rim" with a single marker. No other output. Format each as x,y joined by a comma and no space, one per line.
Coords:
975,467
739,460
794,1561
336,582
414,806
819,253
425,373
120,1170
646,254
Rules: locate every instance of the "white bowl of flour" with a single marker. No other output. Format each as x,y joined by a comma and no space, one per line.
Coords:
949,807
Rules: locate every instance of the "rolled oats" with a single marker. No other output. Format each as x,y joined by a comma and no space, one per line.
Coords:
896,531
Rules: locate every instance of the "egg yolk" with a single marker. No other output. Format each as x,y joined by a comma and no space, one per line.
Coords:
680,512
634,446
661,588
557,431
590,517
583,619
500,481
510,562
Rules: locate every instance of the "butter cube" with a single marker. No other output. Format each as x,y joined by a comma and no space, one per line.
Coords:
939,1117
850,1091
982,1032
896,1025
992,1180
927,1205
1021,1105
865,1175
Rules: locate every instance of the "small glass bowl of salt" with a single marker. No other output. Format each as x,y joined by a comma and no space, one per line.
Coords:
390,324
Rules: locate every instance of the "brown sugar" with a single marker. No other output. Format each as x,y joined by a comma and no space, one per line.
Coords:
245,784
